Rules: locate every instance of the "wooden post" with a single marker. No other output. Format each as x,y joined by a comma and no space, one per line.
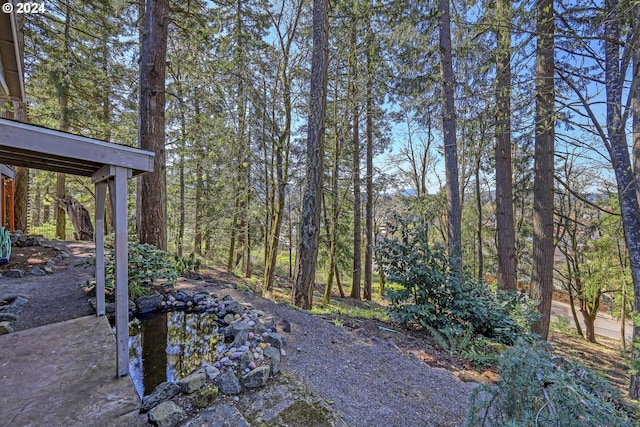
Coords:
12,222
3,201
118,188
101,193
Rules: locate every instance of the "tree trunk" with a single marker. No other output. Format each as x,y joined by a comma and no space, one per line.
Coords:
152,210
454,218
621,162
505,229
335,212
589,314
302,295
542,275
636,109
480,227
197,237
368,228
357,210
181,166
79,216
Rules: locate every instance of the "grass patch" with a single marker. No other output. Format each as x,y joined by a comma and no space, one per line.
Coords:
363,310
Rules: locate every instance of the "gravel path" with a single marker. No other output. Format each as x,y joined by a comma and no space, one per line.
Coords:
367,380
370,382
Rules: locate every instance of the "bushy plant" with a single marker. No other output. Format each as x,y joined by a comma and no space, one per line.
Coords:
432,295
186,266
148,266
539,389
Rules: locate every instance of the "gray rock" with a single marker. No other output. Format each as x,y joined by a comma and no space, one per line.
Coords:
245,359
8,317
48,270
149,302
15,273
38,272
256,378
51,263
212,372
5,328
197,298
166,414
228,383
19,301
11,309
222,415
110,307
193,382
236,327
162,393
179,304
233,307
276,340
274,358
240,338
184,295
229,318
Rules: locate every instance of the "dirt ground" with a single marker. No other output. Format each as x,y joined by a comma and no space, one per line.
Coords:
29,257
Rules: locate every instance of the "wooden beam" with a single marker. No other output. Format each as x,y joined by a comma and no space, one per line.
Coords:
7,171
12,221
43,143
118,188
106,172
3,202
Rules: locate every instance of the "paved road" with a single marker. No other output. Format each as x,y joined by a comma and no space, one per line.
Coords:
605,325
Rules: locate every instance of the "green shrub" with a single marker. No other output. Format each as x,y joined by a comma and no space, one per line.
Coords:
148,266
186,266
539,389
432,295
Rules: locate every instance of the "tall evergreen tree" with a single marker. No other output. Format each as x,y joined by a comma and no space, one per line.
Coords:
505,229
454,215
310,222
543,232
152,210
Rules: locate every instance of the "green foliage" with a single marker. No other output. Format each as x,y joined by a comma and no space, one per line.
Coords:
540,389
452,339
148,267
562,324
186,266
433,296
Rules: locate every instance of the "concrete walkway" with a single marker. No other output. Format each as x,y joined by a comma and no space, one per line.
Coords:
62,374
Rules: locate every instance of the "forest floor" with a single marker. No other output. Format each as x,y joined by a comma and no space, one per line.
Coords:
356,318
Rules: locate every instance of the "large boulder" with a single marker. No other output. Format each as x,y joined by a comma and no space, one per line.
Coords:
166,414
193,382
276,340
256,378
149,302
228,383
162,393
274,358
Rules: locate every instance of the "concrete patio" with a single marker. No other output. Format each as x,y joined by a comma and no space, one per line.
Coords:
62,374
